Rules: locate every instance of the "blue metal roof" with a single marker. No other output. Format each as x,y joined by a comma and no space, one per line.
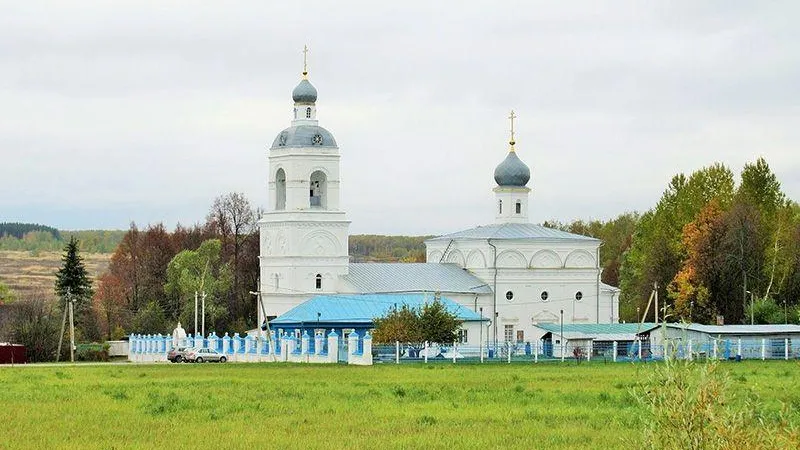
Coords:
515,231
737,329
303,136
363,308
369,278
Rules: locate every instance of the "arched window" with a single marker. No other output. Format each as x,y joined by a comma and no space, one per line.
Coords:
318,190
519,207
308,113
501,207
280,189
318,281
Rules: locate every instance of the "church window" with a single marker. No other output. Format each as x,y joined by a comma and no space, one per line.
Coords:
545,295
308,113
520,335
280,189
519,207
318,281
462,336
578,295
508,333
501,207
317,191
509,296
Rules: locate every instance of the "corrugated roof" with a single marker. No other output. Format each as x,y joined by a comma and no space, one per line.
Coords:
377,278
363,308
738,329
597,329
515,231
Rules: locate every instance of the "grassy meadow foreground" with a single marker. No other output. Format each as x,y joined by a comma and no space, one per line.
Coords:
386,406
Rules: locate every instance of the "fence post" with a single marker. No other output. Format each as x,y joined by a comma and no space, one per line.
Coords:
480,349
589,353
763,349
455,349
508,350
715,348
689,350
318,343
333,346
640,349
739,348
536,351
786,349
614,355
426,352
397,352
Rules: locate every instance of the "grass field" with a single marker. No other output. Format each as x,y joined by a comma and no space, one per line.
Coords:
26,273
333,407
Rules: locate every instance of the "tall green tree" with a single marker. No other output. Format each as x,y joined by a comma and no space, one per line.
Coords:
73,284
72,275
201,270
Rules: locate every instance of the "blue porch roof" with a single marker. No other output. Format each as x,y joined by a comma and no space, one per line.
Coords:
363,308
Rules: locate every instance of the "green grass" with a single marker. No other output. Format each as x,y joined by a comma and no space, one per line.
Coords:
330,407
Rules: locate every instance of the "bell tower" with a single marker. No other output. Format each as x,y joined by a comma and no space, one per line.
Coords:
511,193
304,234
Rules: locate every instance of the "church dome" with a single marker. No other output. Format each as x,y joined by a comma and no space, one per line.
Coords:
512,171
305,92
304,136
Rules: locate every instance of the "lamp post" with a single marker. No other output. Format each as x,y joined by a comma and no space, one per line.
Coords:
752,312
785,313
562,335
480,339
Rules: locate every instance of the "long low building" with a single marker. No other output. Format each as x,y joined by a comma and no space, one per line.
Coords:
599,338
728,341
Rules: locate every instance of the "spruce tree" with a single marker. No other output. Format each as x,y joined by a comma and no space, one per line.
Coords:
72,276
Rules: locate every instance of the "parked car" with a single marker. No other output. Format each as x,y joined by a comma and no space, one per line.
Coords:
177,354
204,354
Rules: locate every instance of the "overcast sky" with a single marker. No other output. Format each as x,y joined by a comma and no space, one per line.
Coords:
119,111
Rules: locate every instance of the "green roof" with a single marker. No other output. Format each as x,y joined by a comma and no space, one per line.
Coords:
599,328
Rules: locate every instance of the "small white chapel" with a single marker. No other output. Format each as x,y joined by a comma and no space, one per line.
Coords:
513,273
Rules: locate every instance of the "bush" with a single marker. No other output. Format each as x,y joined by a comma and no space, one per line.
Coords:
692,405
92,352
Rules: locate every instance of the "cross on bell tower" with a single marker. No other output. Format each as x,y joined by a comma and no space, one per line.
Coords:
511,117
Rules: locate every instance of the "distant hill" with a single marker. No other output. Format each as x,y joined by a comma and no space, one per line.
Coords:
33,237
378,248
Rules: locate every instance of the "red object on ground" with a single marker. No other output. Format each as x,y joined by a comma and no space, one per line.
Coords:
12,354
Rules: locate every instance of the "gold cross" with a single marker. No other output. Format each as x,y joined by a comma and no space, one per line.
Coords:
305,60
512,116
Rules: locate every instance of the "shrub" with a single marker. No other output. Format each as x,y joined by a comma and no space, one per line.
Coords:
692,405
92,352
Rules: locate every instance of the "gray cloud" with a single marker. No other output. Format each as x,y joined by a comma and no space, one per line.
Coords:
119,111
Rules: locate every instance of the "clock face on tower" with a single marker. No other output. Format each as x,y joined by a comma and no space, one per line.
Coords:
317,139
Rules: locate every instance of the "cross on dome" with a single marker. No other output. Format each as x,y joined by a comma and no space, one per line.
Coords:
305,61
512,116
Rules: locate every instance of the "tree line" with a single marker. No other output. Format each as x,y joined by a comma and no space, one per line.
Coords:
41,238
714,249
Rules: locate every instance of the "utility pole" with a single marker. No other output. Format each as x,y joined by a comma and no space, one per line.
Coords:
63,325
655,289
71,330
195,313
203,329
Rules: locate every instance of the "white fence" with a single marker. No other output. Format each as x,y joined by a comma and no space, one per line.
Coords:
258,348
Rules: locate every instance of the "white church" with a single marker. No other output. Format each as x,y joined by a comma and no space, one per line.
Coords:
513,273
